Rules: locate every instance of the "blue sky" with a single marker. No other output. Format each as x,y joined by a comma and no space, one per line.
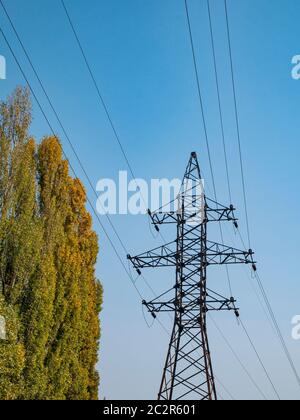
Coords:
140,53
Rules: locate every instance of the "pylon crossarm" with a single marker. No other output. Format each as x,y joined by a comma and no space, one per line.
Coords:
161,303
167,256
164,256
216,212
218,254
161,218
157,307
214,302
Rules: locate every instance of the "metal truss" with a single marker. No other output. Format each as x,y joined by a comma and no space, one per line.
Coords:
188,372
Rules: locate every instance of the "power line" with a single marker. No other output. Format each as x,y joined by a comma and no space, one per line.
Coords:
274,321
67,136
71,145
219,100
65,156
205,126
200,96
269,313
238,359
63,128
105,107
245,194
249,278
59,119
259,359
225,389
102,101
223,133
237,124
241,162
279,333
264,294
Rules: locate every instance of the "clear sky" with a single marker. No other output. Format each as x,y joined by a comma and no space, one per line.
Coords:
140,53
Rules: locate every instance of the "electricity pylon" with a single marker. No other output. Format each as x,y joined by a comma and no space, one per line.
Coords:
188,372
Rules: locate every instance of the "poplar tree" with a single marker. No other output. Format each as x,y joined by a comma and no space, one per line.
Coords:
49,294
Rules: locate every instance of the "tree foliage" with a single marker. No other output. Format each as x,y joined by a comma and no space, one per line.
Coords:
49,295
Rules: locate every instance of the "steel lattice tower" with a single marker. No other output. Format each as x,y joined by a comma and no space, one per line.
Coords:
188,372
